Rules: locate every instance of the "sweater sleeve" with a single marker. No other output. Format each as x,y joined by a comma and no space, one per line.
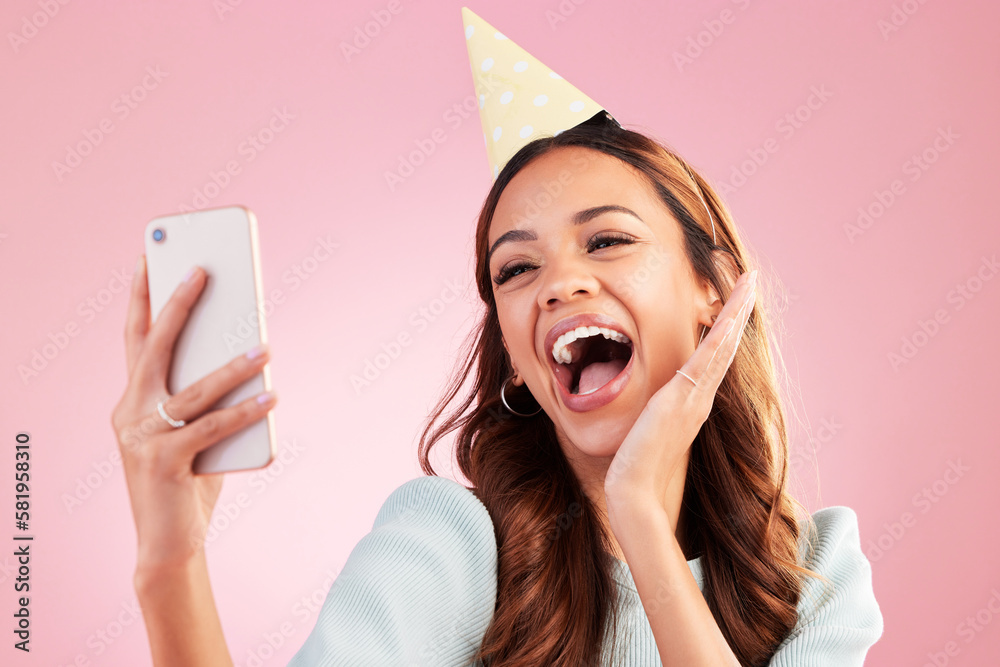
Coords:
419,589
837,625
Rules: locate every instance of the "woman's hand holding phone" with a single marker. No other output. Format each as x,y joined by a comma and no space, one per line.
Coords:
171,505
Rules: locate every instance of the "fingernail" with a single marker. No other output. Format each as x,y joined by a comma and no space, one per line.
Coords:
190,274
266,397
138,264
257,351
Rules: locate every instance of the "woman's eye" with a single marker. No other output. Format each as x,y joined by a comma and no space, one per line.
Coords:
510,271
597,242
604,240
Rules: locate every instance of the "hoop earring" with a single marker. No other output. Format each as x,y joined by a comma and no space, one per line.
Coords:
503,399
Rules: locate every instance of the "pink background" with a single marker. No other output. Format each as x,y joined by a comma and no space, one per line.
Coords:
880,435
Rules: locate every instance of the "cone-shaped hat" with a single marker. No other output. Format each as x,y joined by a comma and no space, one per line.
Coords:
520,99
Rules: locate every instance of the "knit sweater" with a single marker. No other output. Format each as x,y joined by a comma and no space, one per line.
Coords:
420,589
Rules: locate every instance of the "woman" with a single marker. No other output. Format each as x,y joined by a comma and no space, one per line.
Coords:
629,501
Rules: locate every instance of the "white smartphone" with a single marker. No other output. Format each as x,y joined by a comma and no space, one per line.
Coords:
225,322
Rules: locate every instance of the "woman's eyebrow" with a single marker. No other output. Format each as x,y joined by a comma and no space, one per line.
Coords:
579,218
589,214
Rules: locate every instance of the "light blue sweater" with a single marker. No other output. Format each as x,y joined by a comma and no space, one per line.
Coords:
420,589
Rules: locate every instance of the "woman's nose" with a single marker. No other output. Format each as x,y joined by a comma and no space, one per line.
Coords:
566,279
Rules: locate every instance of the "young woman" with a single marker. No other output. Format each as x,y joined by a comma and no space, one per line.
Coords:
623,435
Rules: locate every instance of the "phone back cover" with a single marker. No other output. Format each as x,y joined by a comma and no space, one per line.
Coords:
226,321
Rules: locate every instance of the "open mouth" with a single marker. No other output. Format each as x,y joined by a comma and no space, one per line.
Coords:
585,362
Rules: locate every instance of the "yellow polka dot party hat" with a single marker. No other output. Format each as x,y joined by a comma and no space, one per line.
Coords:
520,99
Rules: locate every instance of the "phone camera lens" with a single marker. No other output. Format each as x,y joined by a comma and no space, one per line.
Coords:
158,235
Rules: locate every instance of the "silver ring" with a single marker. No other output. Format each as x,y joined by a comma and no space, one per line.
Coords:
688,377
176,423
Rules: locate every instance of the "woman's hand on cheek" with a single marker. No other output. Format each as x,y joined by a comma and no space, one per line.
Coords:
655,446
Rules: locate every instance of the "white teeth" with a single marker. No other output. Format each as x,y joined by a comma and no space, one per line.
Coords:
561,351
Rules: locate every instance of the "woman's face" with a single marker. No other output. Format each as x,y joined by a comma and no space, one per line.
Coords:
580,239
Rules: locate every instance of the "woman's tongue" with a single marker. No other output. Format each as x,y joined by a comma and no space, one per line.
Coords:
596,375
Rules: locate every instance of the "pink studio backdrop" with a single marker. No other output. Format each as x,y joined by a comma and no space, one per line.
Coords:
810,114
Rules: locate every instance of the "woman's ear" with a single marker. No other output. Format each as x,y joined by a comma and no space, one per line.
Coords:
507,349
728,274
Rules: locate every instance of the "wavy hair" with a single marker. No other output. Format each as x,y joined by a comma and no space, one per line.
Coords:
555,588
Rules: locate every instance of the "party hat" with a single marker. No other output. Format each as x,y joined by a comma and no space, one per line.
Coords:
520,99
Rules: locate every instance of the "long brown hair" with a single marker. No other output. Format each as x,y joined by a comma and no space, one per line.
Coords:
555,589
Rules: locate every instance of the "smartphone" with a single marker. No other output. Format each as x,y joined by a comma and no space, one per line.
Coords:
225,322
